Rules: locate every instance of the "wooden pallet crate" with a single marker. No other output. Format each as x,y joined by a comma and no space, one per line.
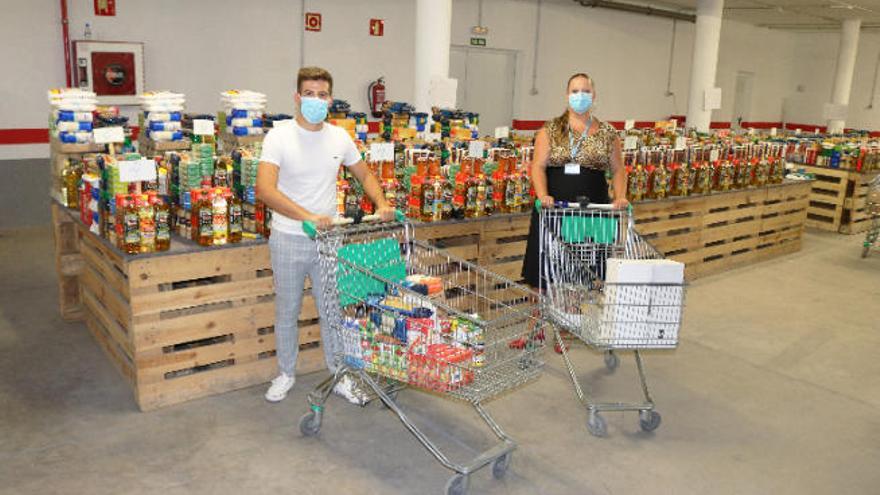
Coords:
837,199
856,218
187,324
68,263
716,232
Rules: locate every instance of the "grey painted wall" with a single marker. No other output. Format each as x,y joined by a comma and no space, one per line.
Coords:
24,193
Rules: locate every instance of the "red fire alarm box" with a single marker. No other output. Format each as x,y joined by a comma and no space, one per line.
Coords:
377,27
313,21
105,7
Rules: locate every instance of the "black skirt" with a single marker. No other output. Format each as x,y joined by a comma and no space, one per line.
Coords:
588,186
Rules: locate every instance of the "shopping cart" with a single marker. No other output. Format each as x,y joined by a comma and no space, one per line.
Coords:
405,312
584,252
872,207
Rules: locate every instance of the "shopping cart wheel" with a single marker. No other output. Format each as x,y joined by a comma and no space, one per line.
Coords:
649,420
612,361
596,425
309,424
500,465
458,484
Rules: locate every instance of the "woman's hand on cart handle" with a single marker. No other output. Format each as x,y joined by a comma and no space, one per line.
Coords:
620,203
544,201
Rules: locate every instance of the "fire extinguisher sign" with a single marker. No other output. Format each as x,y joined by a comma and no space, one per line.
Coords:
377,27
105,7
313,21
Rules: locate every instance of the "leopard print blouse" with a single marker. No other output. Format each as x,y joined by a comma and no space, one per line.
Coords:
594,152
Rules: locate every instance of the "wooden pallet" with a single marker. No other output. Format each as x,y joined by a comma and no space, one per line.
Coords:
68,263
837,199
720,231
179,326
496,243
856,218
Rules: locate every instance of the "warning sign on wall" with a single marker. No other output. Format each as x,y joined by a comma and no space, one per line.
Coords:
105,7
377,27
313,21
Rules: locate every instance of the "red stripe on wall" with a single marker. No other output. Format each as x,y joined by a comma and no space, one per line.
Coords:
24,136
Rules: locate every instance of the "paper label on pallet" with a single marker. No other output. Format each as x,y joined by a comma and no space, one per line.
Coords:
203,127
751,131
502,132
680,142
382,152
797,132
630,142
104,135
137,170
629,124
713,156
475,148
772,131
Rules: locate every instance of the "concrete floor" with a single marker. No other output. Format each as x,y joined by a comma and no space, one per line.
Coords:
774,389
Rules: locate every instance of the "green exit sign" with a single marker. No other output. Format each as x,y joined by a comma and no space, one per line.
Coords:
478,41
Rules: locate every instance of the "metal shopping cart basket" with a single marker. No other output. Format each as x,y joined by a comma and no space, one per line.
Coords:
585,253
872,207
407,312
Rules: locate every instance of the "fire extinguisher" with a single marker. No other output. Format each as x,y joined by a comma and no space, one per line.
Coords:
376,97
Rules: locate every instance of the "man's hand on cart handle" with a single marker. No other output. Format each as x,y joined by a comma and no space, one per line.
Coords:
322,222
386,213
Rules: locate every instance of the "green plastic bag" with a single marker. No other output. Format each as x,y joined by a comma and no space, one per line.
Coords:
600,230
381,257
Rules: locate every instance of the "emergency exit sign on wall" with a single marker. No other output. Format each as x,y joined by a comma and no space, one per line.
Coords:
478,41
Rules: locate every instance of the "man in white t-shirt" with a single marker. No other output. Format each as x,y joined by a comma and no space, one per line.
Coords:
296,178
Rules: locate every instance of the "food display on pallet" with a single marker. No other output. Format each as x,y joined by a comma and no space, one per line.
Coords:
663,171
71,119
842,168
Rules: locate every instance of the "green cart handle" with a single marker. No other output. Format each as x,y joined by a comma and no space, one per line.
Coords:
311,229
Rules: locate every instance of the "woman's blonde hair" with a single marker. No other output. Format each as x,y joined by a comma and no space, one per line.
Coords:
561,122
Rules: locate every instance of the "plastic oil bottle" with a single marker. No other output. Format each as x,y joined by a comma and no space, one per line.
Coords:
235,217
163,222
146,223
131,236
205,219
220,217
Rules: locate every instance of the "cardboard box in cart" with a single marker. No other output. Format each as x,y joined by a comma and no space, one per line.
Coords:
643,301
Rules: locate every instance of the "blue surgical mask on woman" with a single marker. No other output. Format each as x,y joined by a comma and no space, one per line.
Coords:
580,102
314,110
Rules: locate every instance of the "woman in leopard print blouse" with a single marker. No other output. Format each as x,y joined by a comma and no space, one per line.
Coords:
573,152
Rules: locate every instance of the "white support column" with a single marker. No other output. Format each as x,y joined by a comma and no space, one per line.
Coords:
433,37
705,62
846,64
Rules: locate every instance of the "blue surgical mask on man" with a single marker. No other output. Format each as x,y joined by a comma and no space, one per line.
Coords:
314,110
580,102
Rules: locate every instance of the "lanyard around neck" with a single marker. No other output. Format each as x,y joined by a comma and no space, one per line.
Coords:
575,146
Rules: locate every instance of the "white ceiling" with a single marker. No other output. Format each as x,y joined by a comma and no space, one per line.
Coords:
791,14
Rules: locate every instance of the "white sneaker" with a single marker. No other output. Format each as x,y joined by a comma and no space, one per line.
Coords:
347,389
280,386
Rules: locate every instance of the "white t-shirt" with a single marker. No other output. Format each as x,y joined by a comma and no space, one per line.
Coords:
308,163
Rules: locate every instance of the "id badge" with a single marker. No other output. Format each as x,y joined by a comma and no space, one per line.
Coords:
572,169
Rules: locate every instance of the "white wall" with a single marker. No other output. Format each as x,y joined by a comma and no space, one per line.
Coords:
813,69
628,56
33,61
203,47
